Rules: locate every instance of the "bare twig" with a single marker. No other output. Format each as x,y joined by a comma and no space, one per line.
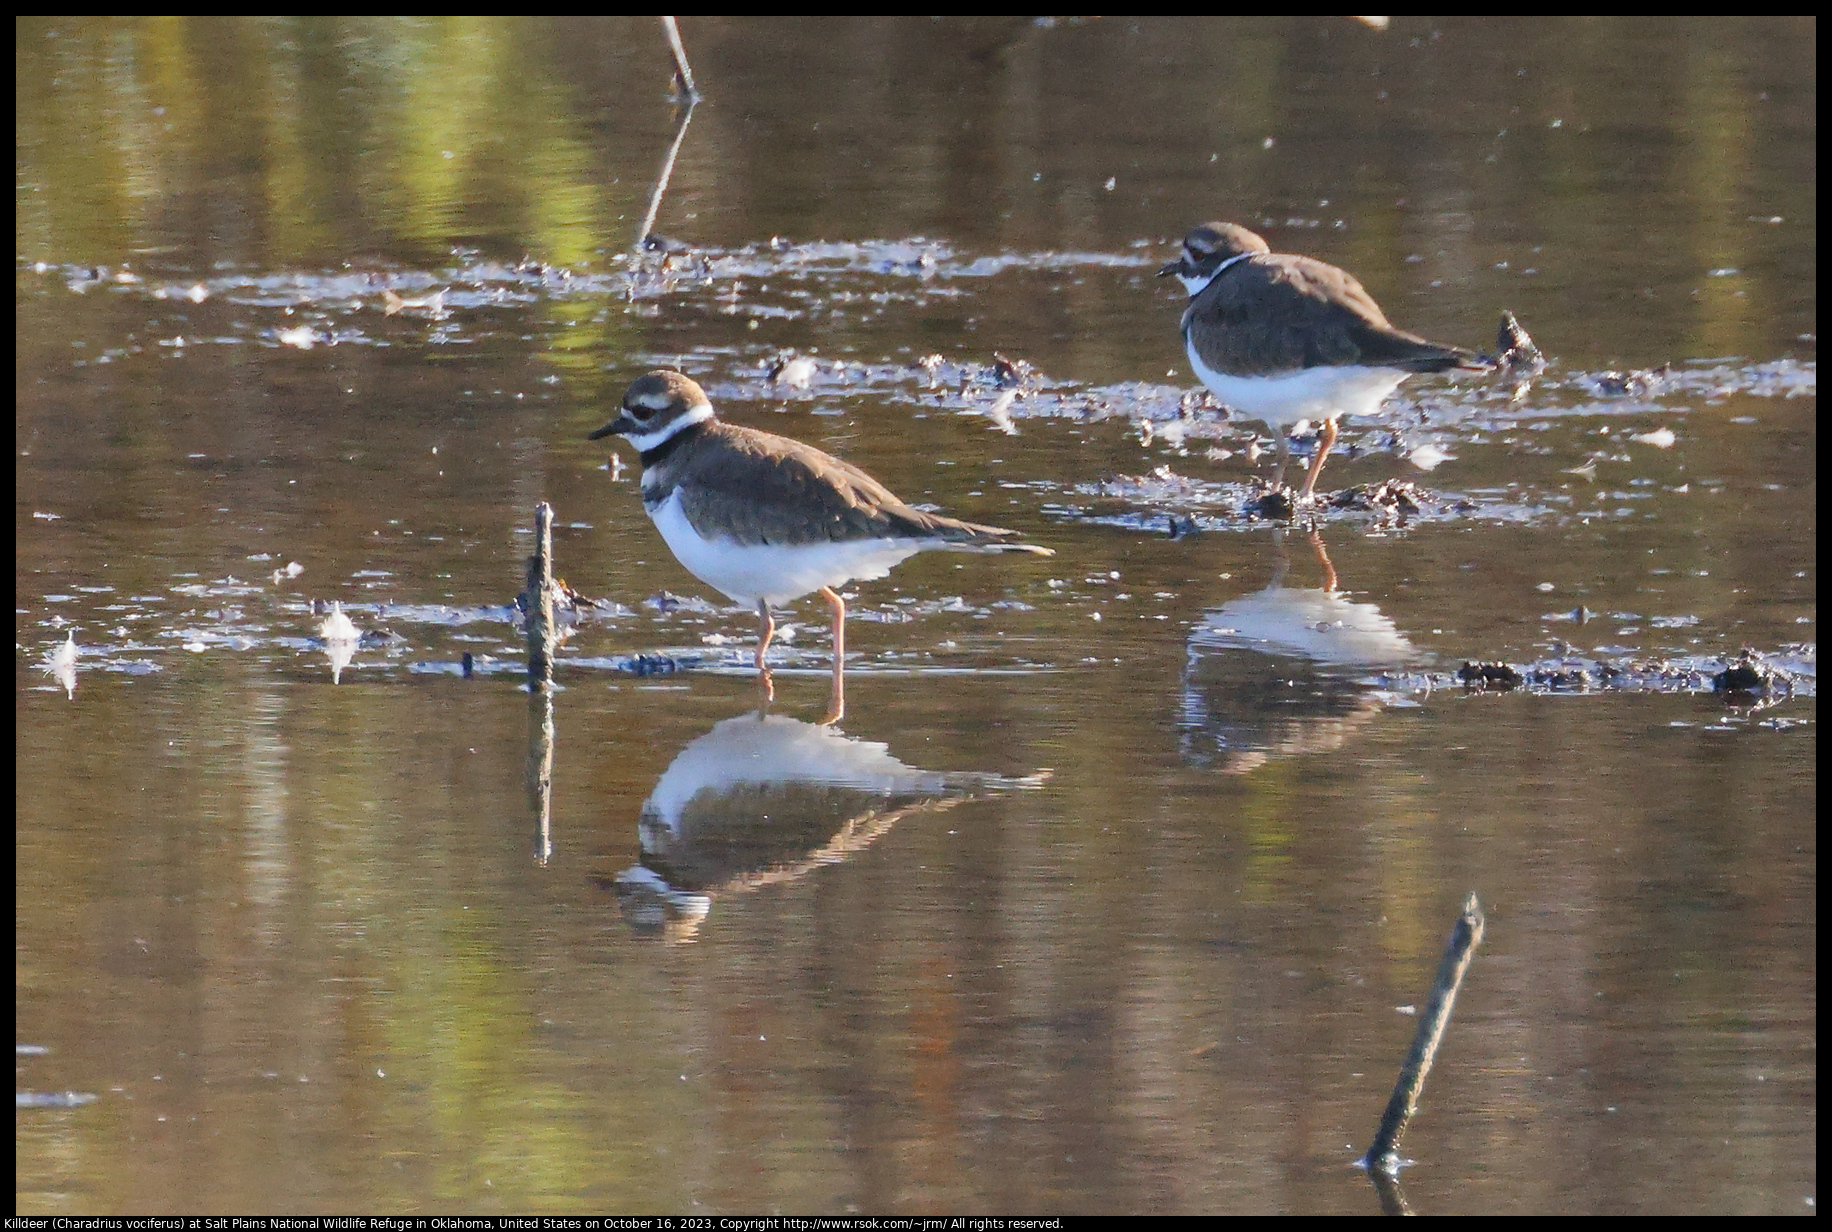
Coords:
682,73
538,601
537,604
1383,1156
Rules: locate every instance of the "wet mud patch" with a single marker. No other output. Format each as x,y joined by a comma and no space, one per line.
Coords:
1744,677
257,623
1166,502
1188,429
780,279
891,284
475,297
1244,706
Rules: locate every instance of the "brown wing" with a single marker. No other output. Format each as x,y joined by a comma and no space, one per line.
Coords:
1268,317
760,488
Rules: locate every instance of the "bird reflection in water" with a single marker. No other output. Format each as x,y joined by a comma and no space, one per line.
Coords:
340,637
60,664
1285,671
763,799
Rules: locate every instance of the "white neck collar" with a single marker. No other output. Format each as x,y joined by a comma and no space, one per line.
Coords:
1195,285
645,441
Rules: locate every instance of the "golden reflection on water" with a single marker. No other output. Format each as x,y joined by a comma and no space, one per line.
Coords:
1109,891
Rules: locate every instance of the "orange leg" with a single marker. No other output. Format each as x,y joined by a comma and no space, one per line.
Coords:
836,705
1326,439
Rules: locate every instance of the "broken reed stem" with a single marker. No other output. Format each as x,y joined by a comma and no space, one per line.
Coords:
539,599
537,602
1383,1155
673,34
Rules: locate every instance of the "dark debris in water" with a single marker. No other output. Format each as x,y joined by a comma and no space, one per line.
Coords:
1745,677
1489,676
1515,353
654,665
1748,673
1175,502
570,606
1643,383
667,602
1274,504
1011,373
1393,498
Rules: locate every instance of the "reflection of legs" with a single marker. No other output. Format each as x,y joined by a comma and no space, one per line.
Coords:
836,705
1325,439
1329,570
766,630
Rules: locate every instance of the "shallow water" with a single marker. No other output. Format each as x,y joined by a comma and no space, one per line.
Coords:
1118,883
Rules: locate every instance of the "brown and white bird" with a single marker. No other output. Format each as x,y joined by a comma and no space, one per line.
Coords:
766,519
1284,338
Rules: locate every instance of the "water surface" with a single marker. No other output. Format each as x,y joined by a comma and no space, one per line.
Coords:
1117,886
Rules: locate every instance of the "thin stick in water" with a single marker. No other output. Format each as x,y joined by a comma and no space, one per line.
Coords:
1464,938
538,601
673,33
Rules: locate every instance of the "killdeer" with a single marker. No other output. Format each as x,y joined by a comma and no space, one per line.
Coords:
1282,338
766,519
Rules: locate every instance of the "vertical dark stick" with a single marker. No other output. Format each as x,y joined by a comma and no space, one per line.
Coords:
673,33
1464,938
539,596
537,601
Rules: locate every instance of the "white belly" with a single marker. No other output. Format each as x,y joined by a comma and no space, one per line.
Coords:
1309,393
776,573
